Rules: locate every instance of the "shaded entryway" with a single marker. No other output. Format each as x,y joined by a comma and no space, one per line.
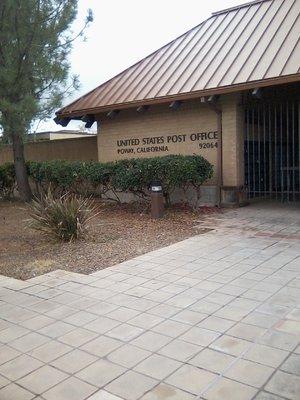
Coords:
272,144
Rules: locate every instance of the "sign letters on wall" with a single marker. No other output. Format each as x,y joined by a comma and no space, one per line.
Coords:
157,144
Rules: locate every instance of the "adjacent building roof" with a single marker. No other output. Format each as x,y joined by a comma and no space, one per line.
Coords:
54,135
254,44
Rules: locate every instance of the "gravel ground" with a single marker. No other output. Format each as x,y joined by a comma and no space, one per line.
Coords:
117,234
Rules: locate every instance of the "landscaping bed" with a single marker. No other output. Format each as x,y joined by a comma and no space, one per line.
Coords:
118,233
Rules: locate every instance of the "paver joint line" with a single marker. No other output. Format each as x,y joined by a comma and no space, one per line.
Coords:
231,295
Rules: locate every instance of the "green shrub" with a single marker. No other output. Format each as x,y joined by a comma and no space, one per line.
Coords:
131,176
98,176
7,180
76,176
173,171
128,176
61,175
64,218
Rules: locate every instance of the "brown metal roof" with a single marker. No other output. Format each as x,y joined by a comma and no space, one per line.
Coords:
254,44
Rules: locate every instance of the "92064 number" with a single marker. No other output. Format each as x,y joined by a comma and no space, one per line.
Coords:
208,145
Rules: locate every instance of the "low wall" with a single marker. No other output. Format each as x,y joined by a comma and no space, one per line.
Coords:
208,196
79,149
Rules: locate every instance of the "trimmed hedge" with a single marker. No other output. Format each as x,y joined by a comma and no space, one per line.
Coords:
174,171
129,176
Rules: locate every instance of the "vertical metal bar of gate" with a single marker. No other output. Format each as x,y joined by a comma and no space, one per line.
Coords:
281,157
298,148
287,154
258,150
293,150
270,152
265,158
253,154
275,149
248,154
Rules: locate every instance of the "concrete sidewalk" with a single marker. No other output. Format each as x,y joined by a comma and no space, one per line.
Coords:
214,317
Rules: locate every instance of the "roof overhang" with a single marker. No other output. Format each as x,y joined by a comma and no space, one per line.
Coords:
78,114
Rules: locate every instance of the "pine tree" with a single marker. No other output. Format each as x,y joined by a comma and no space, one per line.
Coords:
35,41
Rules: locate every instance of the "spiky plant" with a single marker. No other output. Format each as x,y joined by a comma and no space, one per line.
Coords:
64,218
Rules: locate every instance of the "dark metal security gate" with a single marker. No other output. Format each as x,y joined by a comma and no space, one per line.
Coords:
272,149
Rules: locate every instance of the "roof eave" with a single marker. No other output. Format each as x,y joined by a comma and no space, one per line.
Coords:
182,96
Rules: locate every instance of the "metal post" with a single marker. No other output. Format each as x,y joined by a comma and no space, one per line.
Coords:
157,200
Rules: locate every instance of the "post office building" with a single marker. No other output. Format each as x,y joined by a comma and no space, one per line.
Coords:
228,89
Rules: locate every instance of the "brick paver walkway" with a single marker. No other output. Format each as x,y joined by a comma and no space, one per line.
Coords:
214,317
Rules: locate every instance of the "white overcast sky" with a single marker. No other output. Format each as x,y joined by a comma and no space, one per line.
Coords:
125,31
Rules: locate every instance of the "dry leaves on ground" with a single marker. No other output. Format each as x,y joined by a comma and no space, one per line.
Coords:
117,234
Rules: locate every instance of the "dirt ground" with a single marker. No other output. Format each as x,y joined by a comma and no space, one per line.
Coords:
117,234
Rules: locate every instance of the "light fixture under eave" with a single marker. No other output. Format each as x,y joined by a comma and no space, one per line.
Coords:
209,99
257,93
142,109
212,99
112,114
175,105
61,121
89,119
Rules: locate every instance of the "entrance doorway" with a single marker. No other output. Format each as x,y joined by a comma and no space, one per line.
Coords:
272,146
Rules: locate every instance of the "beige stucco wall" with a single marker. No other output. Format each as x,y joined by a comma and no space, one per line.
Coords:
80,149
192,129
191,118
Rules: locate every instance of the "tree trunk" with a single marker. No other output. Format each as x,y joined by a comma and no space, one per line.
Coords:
20,167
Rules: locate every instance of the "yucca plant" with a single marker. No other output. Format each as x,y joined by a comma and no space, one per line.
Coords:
64,218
